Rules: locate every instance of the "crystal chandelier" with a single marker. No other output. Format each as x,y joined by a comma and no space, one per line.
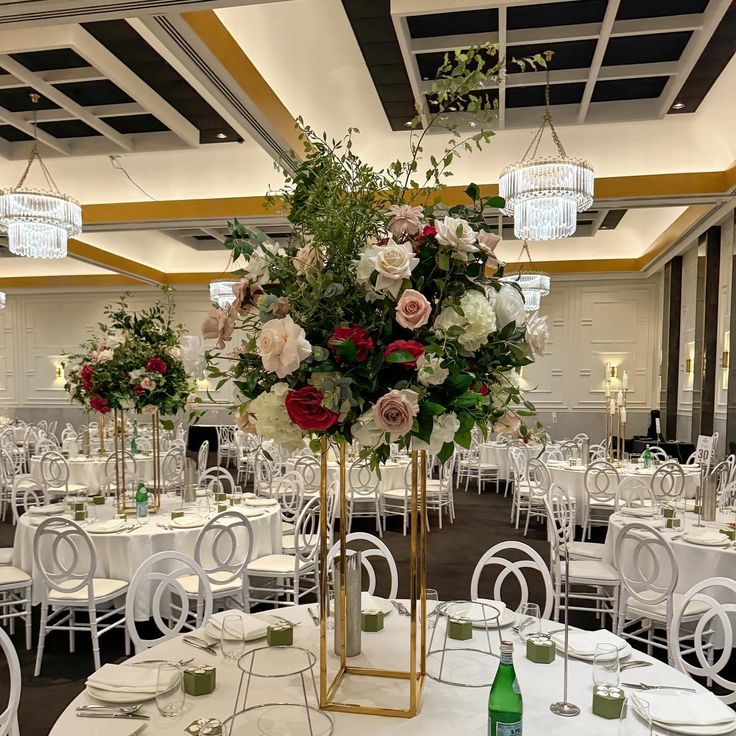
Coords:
221,292
39,222
2,300
544,194
533,284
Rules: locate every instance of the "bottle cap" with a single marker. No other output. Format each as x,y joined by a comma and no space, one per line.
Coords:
507,647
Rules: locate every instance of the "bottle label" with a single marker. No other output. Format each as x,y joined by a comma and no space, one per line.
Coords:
505,729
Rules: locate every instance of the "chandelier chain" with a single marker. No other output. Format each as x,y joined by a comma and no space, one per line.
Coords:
36,154
546,121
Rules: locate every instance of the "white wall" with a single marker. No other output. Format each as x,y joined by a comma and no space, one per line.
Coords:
592,322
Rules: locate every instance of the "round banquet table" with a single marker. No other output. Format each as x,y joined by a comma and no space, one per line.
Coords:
392,473
571,479
120,554
497,453
90,471
444,709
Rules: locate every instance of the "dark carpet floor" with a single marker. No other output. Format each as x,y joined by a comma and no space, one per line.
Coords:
482,521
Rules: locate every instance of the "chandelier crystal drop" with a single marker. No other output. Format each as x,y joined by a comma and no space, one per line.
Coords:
544,194
533,284
221,292
39,222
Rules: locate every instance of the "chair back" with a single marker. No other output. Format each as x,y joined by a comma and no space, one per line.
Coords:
693,653
517,462
9,717
202,455
634,492
668,481
131,467
372,549
601,481
172,466
647,565
551,453
308,467
263,474
515,569
306,531
693,459
65,556
158,577
289,491
658,453
217,480
27,494
54,470
538,477
581,437
224,545
363,483
569,449
68,433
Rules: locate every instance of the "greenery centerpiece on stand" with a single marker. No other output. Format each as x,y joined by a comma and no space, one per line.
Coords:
381,320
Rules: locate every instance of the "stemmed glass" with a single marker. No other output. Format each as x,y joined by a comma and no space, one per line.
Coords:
636,719
232,638
170,694
433,601
529,621
606,668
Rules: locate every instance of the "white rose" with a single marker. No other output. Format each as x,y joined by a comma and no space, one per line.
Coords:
365,432
175,353
392,262
271,419
480,320
443,430
457,234
537,333
509,306
430,371
282,346
256,268
103,356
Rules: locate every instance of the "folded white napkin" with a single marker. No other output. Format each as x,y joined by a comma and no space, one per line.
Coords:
253,627
48,510
119,678
697,709
481,613
583,643
109,525
637,511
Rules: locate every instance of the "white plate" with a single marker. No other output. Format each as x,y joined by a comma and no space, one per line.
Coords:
711,540
259,502
641,513
188,522
716,729
119,697
250,513
106,527
477,614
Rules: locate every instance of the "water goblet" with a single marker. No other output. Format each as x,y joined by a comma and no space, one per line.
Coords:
606,668
636,719
170,694
433,600
529,621
232,638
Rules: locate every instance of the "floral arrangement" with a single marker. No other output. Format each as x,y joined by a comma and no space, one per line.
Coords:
382,320
134,364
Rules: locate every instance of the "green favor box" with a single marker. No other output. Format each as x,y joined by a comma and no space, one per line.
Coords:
540,649
80,515
668,512
199,679
673,523
608,701
280,635
220,497
78,506
98,500
176,515
730,532
460,629
371,620
205,727
222,507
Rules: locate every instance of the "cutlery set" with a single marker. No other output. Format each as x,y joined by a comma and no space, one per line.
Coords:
401,608
198,643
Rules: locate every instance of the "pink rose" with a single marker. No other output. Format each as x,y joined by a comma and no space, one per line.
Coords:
245,420
282,345
219,325
413,310
246,296
307,260
487,242
508,425
405,220
395,411
149,409
148,384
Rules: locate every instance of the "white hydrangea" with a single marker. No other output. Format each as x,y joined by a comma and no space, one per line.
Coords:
430,371
477,322
444,428
271,419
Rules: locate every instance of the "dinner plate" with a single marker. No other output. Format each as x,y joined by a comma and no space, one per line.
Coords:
213,630
120,697
716,729
188,522
106,527
260,502
251,513
709,540
476,613
641,513
370,602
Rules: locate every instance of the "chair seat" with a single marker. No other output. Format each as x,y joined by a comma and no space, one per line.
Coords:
590,550
287,527
190,583
593,570
594,504
659,610
396,493
6,555
13,576
272,564
101,588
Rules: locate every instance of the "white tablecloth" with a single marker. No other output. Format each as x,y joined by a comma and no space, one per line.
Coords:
497,453
571,479
119,555
444,709
90,471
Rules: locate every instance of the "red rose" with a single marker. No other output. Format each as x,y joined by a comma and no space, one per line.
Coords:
428,232
479,388
98,404
304,407
138,390
86,371
411,346
157,365
361,339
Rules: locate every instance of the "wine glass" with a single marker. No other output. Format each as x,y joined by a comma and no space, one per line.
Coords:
170,690
232,638
433,600
606,670
635,717
529,621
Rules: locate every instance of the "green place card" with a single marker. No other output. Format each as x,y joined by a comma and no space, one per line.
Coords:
220,497
280,635
78,506
668,512
176,515
98,500
540,649
608,701
460,629
371,620
199,679
222,507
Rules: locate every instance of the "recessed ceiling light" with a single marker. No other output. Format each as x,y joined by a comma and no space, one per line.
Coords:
678,106
222,136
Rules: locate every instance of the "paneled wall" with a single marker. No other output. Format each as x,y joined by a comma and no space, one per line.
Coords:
592,322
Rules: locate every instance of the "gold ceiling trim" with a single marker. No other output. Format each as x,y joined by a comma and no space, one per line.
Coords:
123,266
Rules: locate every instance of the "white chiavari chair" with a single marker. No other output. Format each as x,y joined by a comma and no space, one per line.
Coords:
65,557
160,578
658,453
692,459
172,470
470,466
9,716
55,476
634,492
668,482
227,450
523,559
263,475
363,499
552,453
536,485
601,480
27,494
203,457
397,501
440,490
308,467
564,507
372,549
15,598
289,492
569,449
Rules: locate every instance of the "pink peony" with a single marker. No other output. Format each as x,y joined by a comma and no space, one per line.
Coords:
487,242
405,220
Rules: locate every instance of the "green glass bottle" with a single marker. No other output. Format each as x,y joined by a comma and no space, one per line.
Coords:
505,705
134,440
647,458
141,501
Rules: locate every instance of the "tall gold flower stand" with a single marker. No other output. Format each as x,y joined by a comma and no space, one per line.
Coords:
412,677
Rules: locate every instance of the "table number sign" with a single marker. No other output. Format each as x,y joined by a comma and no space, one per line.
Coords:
658,427
704,450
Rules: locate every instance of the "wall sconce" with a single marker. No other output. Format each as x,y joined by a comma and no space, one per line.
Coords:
59,370
614,371
726,359
689,365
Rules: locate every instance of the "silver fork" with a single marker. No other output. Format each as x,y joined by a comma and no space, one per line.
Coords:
313,615
140,730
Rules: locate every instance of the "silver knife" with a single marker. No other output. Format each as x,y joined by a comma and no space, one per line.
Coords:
123,716
644,686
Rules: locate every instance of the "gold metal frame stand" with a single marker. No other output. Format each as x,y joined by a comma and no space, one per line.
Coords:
414,676
156,442
119,450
